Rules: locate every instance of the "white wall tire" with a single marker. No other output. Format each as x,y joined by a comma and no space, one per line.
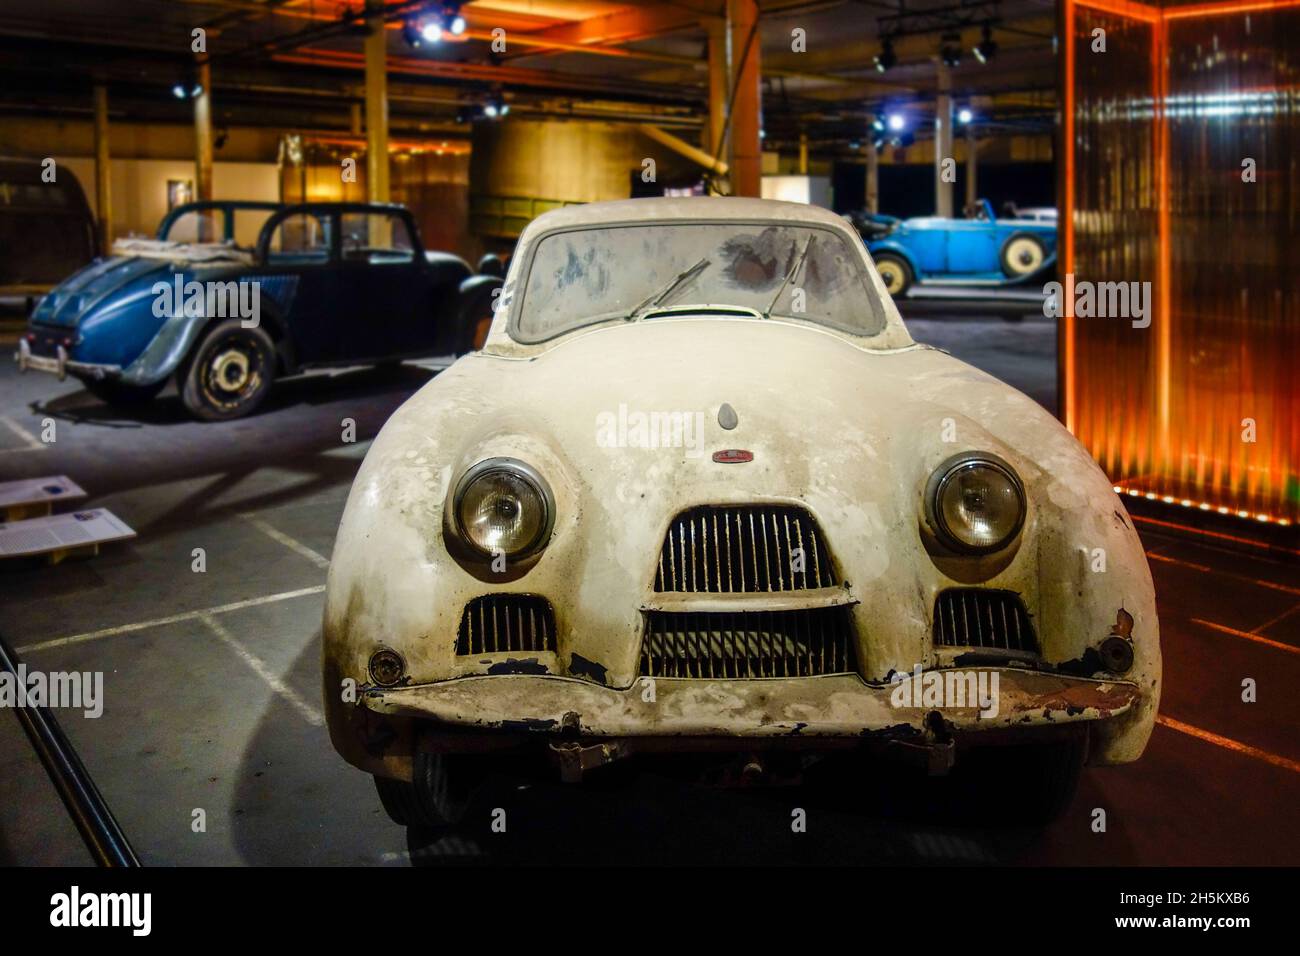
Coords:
895,273
1022,255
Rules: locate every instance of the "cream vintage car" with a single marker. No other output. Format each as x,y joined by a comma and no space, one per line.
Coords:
701,494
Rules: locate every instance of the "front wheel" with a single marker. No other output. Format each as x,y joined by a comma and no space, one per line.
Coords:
894,272
229,372
113,392
439,794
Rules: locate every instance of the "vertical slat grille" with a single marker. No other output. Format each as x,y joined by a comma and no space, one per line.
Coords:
748,644
506,622
743,549
978,617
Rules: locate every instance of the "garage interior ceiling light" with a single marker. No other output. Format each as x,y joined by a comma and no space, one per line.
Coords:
987,48
950,49
886,59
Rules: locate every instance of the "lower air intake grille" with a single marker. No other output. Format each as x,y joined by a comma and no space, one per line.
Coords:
745,644
747,548
506,622
977,617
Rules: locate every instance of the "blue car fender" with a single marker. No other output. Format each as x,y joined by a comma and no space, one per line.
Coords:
898,249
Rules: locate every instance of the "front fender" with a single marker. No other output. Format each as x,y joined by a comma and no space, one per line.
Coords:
898,249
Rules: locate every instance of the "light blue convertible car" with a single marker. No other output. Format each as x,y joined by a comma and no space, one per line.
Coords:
978,250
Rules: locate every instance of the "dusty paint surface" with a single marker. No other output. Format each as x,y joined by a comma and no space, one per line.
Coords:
849,428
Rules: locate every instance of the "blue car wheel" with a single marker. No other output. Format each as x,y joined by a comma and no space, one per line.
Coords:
229,372
1022,255
894,271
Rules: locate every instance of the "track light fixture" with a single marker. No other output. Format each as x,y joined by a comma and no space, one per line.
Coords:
886,59
987,48
950,49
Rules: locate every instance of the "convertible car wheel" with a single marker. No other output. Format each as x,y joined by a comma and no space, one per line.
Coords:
1022,255
894,272
229,372
117,393
443,787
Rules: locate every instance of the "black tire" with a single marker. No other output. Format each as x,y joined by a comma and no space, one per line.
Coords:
894,272
441,792
1021,255
1032,784
112,392
229,372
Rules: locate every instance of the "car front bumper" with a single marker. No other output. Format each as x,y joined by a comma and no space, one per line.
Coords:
678,715
834,706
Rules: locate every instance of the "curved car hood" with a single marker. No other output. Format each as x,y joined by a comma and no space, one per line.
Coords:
75,296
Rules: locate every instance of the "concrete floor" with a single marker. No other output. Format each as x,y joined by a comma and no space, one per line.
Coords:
212,679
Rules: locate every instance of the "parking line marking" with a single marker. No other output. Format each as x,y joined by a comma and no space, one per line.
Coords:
308,712
1269,623
293,544
1206,569
31,441
1228,743
1248,635
171,619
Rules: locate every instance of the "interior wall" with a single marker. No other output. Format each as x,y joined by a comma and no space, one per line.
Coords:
140,186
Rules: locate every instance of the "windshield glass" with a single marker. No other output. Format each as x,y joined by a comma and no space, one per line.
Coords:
583,276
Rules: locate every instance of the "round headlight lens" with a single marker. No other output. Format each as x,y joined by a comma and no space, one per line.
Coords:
978,504
503,508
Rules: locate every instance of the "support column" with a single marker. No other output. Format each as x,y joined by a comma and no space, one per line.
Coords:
972,148
873,176
746,146
103,182
715,130
943,142
203,144
376,104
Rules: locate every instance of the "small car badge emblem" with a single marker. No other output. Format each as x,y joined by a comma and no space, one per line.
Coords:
732,456
727,417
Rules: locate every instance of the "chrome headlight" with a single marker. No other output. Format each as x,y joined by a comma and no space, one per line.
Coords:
503,506
975,503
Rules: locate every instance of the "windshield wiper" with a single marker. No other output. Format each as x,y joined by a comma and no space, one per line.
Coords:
657,297
790,277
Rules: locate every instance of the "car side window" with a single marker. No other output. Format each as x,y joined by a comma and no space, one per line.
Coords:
197,225
375,238
300,238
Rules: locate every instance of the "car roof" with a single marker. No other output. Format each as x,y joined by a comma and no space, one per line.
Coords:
682,208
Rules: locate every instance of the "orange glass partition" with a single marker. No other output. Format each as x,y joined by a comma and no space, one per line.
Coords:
1179,171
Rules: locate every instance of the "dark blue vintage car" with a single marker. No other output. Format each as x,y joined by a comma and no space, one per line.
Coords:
232,295
978,250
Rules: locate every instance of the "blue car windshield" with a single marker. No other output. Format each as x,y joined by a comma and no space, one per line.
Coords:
794,271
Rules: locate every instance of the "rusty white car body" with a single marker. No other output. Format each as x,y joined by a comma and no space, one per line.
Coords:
655,599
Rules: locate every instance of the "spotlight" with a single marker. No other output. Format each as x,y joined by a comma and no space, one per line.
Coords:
896,122
495,107
964,116
431,31
187,89
886,58
877,125
490,110
950,49
987,48
457,24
